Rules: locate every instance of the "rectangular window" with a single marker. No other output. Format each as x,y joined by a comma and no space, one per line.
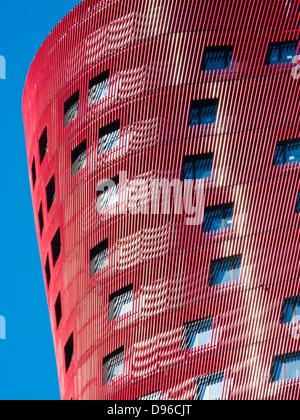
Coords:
98,88
218,217
290,310
47,271
99,257
109,137
107,194
113,365
197,334
71,108
33,173
58,310
210,387
155,396
281,52
287,152
225,270
50,193
217,58
69,352
41,220
286,367
120,303
78,157
43,145
56,246
197,167
204,112
298,204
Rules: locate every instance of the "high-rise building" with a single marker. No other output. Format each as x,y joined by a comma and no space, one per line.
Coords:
145,302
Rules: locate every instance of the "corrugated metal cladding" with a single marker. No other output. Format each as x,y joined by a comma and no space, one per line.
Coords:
123,86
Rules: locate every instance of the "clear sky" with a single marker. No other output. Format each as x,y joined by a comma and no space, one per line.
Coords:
27,361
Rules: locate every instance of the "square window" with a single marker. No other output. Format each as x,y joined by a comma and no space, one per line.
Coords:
58,310
197,167
43,145
78,157
99,257
285,367
50,193
218,218
98,88
56,246
290,310
41,220
107,194
120,303
287,152
217,58
281,52
210,387
113,365
225,270
204,112
71,108
109,137
298,204
197,334
69,352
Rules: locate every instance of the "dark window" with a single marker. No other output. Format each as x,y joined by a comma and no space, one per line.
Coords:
285,367
43,145
290,310
298,204
197,167
47,270
113,365
120,303
287,152
98,88
99,257
69,352
41,220
197,334
109,137
71,108
281,52
79,158
209,387
33,172
58,310
217,58
56,246
152,397
225,270
107,194
50,192
218,217
204,112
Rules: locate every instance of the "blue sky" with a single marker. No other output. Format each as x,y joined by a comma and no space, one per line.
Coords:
27,361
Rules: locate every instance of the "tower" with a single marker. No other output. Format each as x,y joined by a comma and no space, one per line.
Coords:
145,305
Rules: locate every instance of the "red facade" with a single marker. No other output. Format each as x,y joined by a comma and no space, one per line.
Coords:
150,55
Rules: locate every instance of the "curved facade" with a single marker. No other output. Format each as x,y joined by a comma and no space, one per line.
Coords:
146,305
